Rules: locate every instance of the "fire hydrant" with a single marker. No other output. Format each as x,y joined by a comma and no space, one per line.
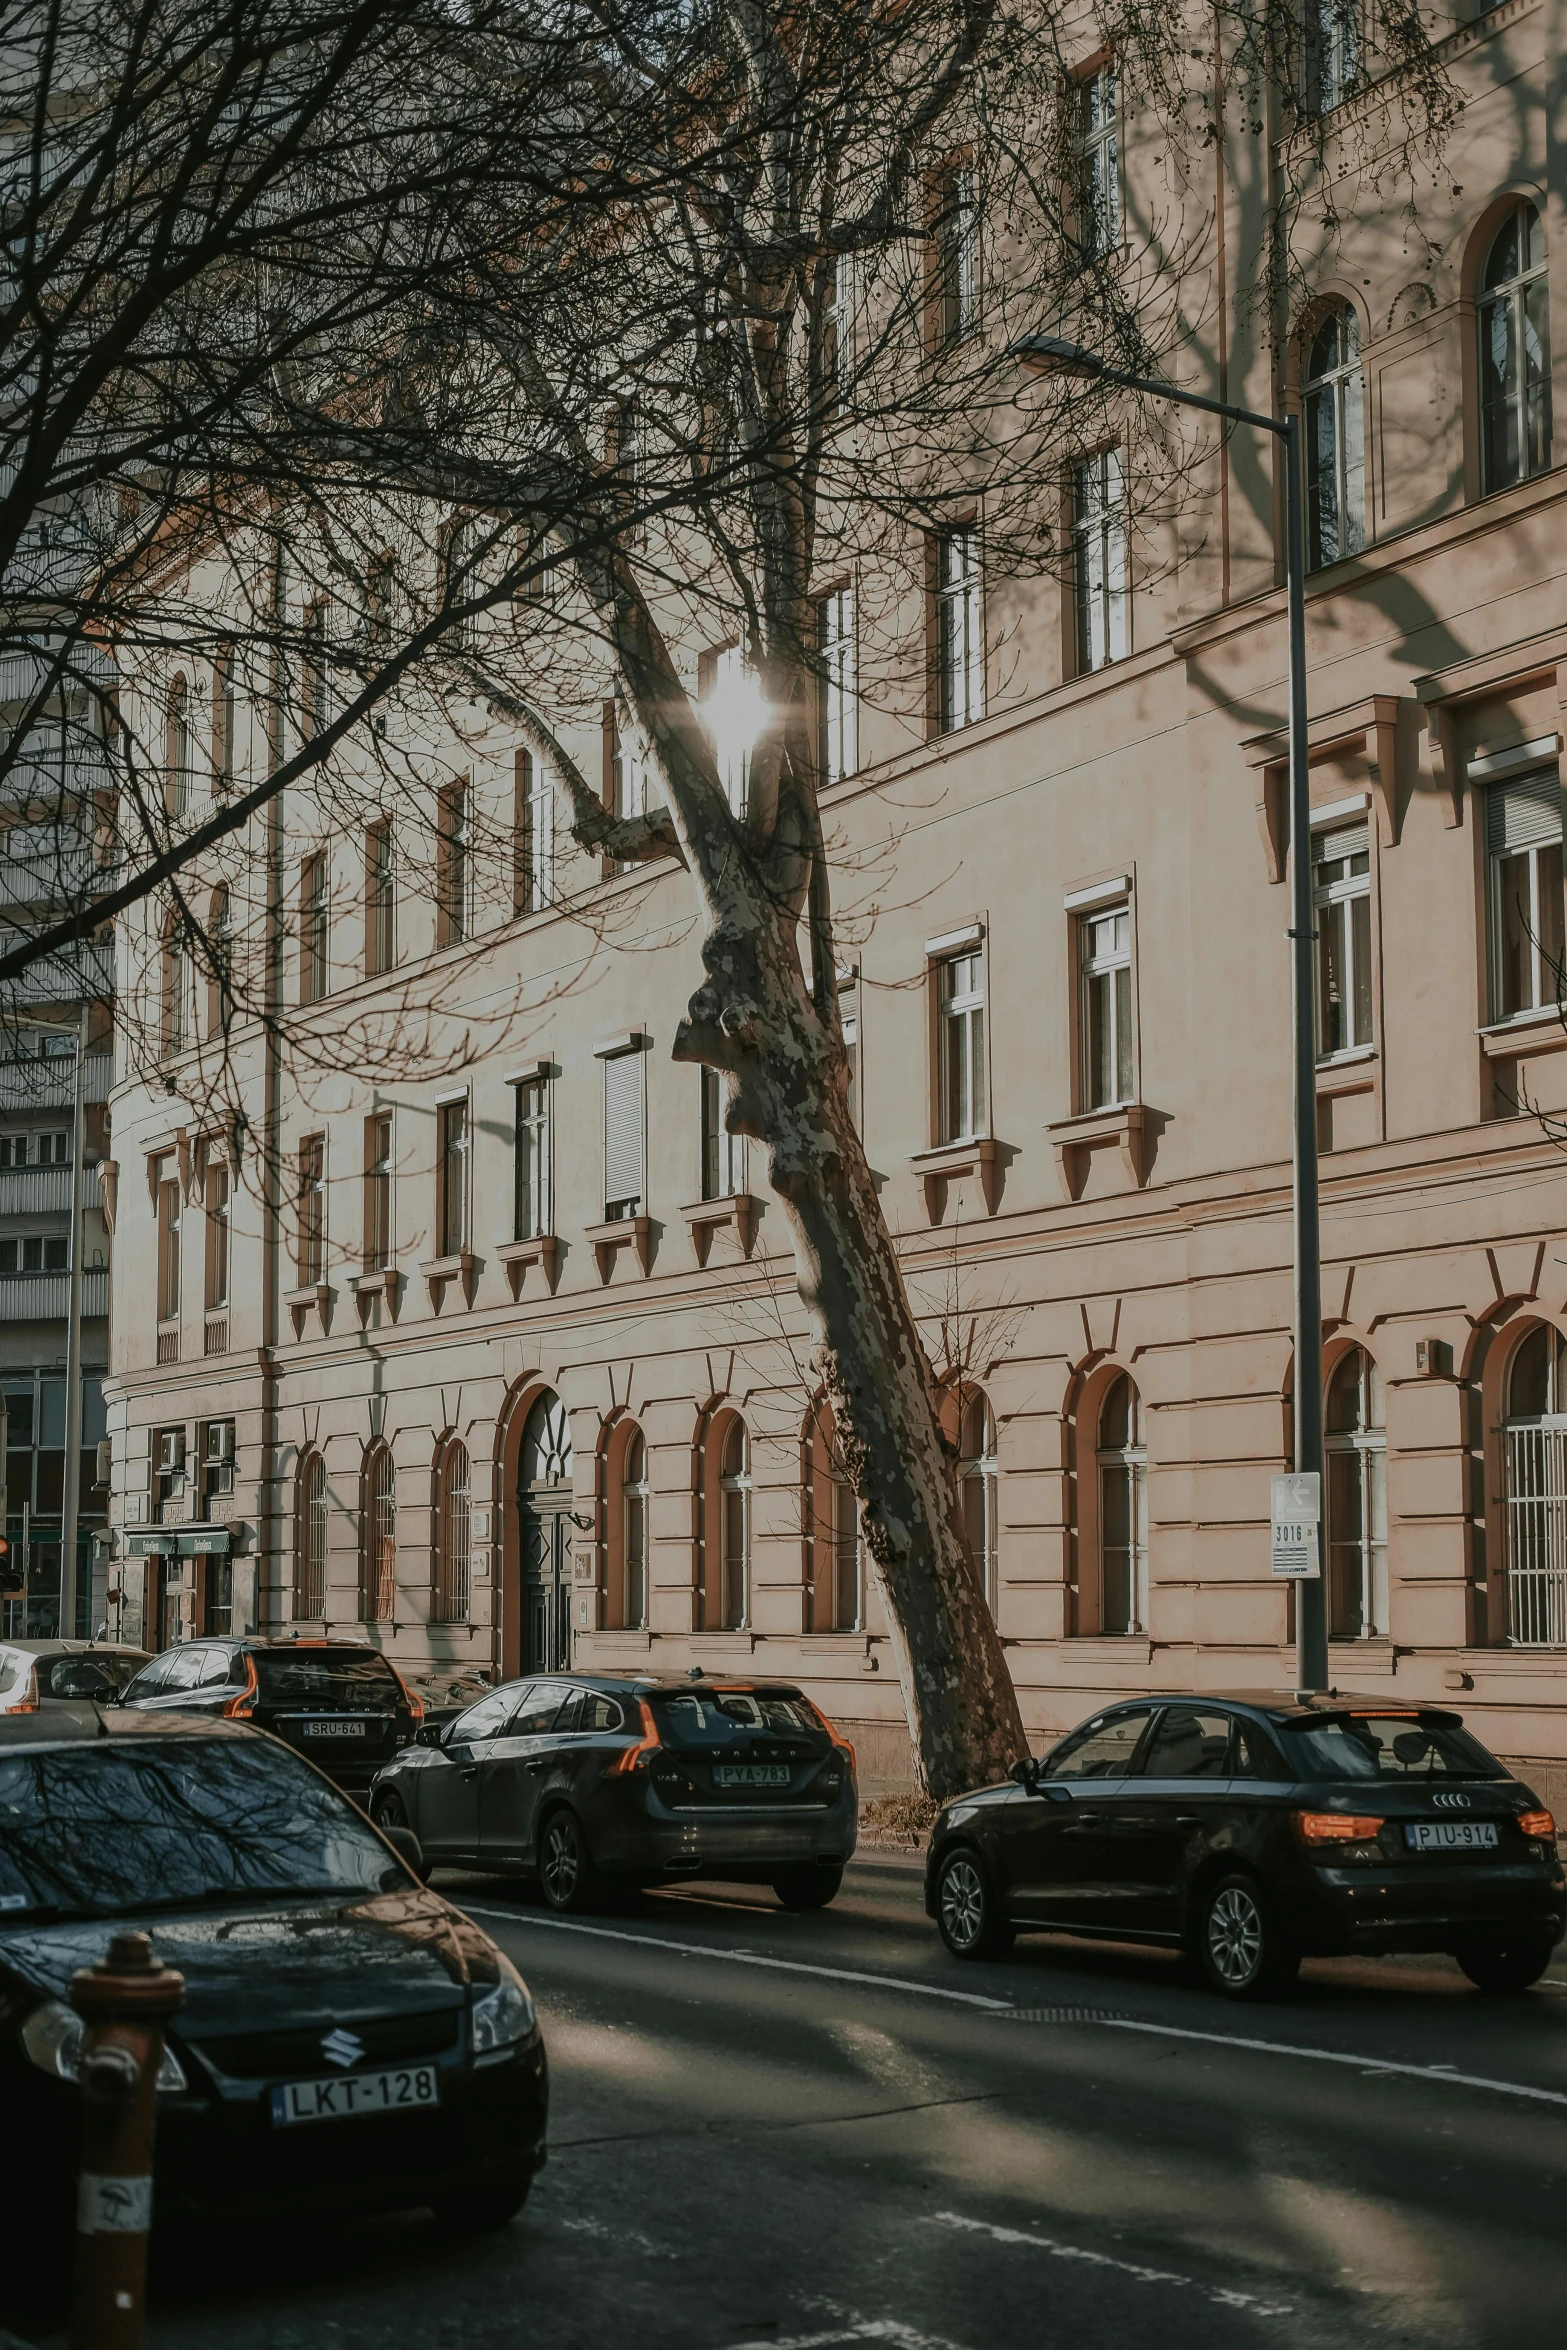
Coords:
125,2002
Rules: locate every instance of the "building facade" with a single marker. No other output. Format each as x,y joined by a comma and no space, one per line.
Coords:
499,1358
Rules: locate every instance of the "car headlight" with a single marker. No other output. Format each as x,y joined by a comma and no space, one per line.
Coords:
503,2016
52,2037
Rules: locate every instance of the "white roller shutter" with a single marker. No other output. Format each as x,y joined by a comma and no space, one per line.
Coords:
1523,815
623,1133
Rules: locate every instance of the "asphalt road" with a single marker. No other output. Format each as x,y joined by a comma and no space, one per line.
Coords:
790,2131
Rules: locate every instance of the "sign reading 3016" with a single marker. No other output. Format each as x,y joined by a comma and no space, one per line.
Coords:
1297,1522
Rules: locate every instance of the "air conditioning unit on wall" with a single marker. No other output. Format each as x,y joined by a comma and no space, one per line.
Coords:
171,1452
220,1442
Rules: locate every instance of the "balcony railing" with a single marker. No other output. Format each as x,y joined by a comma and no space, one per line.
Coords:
36,1191
45,1082
46,1297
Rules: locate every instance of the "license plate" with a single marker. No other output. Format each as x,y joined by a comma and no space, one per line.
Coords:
356,2093
750,1774
1451,1835
333,1729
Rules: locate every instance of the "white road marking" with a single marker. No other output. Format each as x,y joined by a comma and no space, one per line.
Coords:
1225,2294
787,1966
871,2329
1359,2062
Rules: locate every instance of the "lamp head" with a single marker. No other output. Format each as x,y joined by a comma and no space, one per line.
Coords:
1054,355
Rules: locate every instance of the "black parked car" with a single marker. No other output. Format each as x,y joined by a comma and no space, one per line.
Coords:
347,2039
633,1779
338,1701
1250,1832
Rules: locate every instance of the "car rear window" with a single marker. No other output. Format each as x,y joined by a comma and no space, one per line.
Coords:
1393,1745
93,1673
358,1679
144,1824
712,1717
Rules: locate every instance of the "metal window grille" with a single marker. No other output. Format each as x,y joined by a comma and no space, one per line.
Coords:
381,1537
453,1565
311,1539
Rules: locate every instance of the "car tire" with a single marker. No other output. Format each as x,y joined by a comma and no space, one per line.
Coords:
567,1877
968,1917
810,1888
483,2211
1508,1963
389,1811
1242,1949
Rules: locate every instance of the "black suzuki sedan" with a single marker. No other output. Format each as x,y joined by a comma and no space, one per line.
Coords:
347,2038
1251,1832
632,1779
339,1702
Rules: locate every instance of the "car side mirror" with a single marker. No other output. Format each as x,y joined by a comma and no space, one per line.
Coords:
429,1733
1025,1773
409,1850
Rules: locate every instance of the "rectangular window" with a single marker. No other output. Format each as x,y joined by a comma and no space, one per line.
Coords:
531,1218
314,916
380,901
217,1205
960,643
9,1256
837,331
1105,950
849,1014
1341,893
723,1154
1099,560
13,1150
837,746
223,719
534,841
624,1133
168,1250
452,866
217,1457
50,1150
1523,824
314,710
623,786
1329,54
960,1008
732,713
377,1243
956,229
310,1238
452,1181
1096,157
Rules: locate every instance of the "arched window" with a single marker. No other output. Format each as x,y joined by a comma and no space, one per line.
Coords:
1123,1511
1333,396
734,1485
1515,354
977,1473
380,1536
1355,1442
834,1584
310,1540
1534,1440
177,755
174,1010
628,1532
452,1542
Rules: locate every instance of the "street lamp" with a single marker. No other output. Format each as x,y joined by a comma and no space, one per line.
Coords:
1050,353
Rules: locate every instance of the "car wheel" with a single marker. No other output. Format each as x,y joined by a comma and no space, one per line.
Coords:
1510,1963
566,1873
971,1924
389,1811
1241,1949
809,1888
480,2213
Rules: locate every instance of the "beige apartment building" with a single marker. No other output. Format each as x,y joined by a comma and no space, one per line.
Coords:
511,1371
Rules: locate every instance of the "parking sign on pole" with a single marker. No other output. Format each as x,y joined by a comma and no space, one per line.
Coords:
1297,1527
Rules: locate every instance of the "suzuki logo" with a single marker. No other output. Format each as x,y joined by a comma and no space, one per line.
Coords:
1451,1802
342,2048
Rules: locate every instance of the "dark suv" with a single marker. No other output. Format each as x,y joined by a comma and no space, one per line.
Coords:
338,1702
584,1779
1252,1831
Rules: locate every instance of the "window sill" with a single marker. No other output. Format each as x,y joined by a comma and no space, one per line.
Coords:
311,1297
1351,1072
634,1232
542,1250
937,1168
440,1272
385,1281
1543,1031
1076,1139
707,1216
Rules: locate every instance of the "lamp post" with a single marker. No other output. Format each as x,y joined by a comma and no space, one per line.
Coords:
1051,354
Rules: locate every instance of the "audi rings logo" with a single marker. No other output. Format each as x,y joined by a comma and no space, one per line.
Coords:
1451,1802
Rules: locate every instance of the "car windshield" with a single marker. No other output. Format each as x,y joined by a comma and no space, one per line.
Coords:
1387,1746
357,1679
713,1717
100,1672
140,1824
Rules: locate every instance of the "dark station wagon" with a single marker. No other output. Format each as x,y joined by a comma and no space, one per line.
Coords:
1251,1831
337,1702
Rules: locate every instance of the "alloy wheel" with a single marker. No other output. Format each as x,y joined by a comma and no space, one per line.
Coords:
962,1903
562,1860
1235,1936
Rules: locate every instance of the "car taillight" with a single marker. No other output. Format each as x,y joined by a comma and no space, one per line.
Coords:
242,1704
414,1704
1537,1823
638,1757
1336,1827
837,1737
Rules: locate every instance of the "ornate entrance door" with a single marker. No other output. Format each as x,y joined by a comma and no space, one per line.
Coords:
544,1508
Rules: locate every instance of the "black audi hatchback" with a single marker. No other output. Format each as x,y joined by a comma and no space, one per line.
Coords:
347,2038
339,1703
1252,1831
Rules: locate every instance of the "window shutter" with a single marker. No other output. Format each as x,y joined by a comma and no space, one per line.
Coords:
1327,847
1523,815
623,1128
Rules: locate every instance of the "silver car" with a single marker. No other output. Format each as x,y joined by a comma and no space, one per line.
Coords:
38,1673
